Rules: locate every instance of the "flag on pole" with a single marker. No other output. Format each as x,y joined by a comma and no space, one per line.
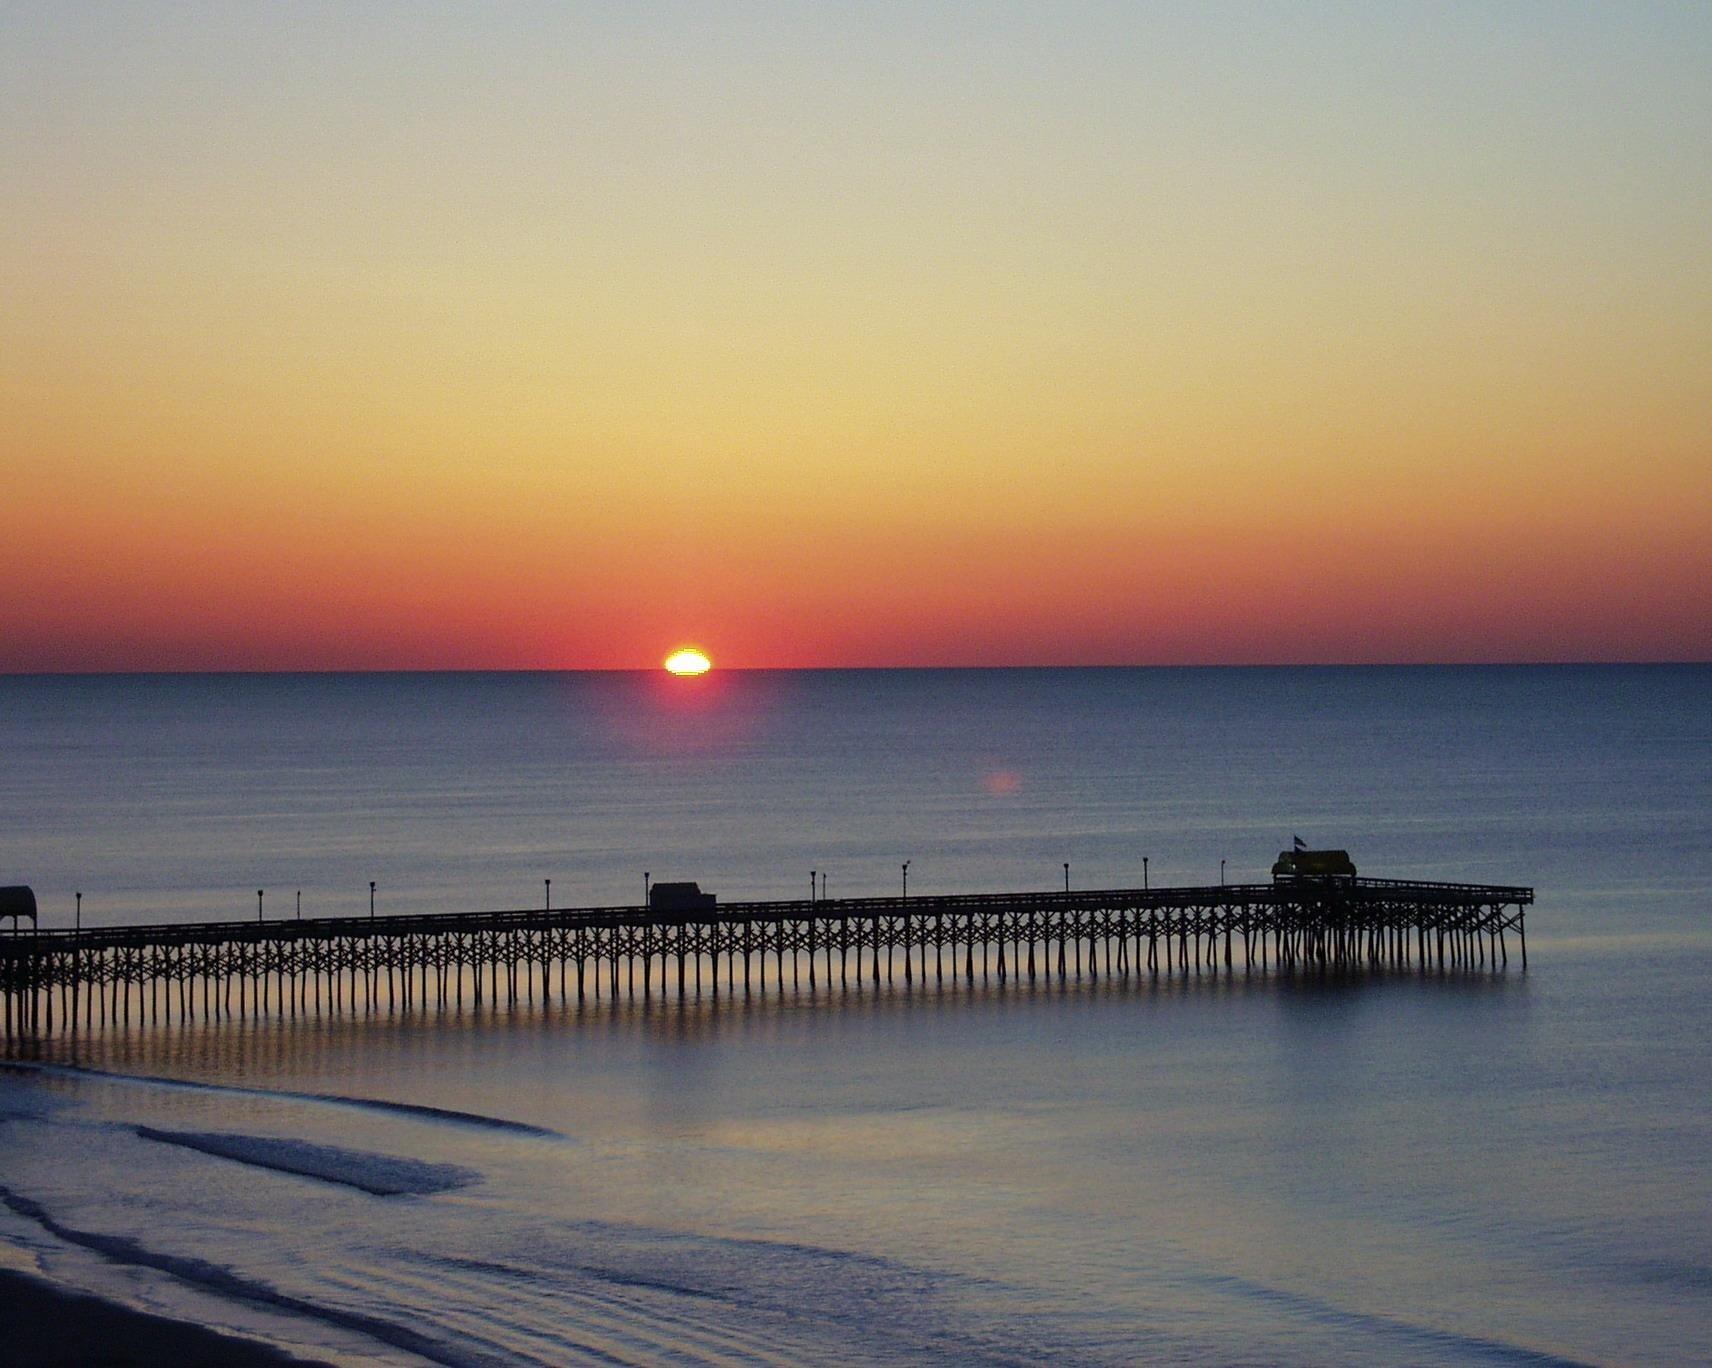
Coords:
1299,843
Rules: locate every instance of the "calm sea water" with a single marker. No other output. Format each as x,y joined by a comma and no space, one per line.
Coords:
1265,1169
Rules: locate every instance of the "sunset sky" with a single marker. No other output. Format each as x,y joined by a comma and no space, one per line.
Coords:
554,335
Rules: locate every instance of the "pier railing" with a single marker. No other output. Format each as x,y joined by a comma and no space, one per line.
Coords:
57,979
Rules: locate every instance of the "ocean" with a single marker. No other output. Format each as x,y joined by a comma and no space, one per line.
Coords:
1494,1167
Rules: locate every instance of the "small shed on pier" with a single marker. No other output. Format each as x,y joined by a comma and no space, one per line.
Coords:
680,897
17,902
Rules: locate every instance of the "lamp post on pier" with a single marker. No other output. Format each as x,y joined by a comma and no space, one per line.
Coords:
549,884
79,923
1067,876
906,866
371,899
258,904
646,877
300,904
1221,873
1144,873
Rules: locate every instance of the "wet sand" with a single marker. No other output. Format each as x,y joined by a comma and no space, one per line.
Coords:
41,1324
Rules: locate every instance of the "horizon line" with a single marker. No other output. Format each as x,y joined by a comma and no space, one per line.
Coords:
860,669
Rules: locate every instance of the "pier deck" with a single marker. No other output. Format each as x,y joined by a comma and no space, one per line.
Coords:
69,980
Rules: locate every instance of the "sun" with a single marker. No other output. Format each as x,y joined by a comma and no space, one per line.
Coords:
687,660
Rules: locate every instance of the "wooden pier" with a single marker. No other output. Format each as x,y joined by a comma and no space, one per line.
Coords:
65,981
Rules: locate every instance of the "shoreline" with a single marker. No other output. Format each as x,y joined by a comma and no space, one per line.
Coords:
43,1325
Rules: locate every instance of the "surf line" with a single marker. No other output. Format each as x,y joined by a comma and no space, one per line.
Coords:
413,1110
123,1250
379,1175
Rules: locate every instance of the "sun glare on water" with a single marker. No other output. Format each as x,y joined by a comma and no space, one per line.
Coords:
688,661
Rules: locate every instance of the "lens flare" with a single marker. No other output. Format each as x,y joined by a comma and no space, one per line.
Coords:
687,660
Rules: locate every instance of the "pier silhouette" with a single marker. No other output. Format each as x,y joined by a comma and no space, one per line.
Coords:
63,981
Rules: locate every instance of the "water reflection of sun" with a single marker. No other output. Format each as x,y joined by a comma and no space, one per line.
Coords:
687,660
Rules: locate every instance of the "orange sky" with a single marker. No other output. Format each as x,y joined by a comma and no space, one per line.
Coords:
551,340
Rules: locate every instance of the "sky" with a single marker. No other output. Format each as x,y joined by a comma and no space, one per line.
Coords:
556,335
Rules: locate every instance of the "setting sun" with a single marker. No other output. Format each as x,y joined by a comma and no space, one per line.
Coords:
688,660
